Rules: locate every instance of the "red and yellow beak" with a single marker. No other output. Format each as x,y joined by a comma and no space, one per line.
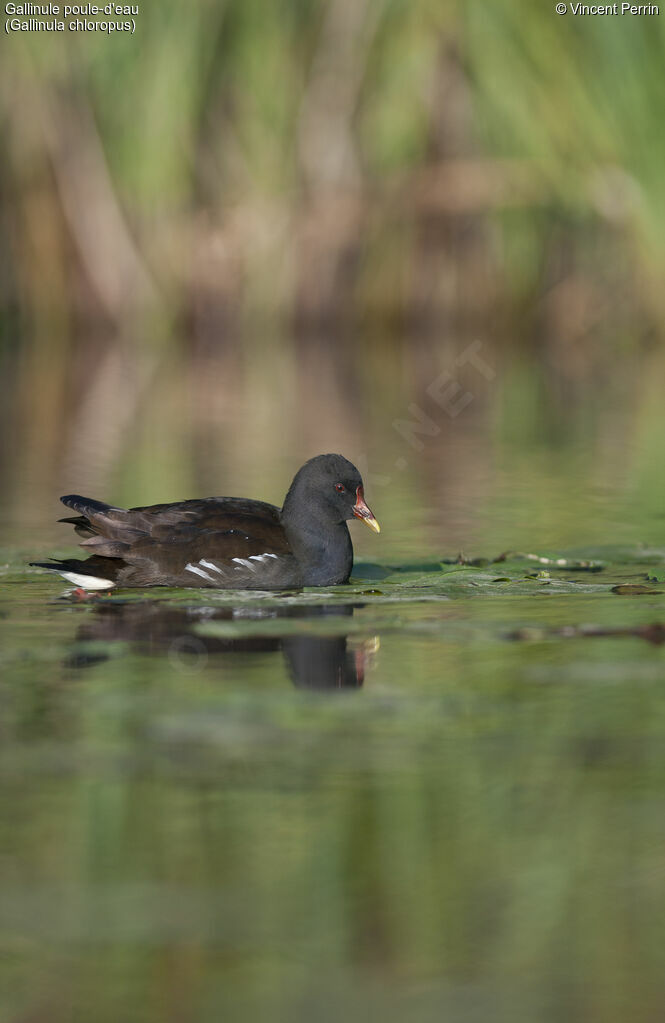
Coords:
361,511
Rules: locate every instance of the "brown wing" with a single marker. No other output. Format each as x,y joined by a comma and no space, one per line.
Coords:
219,513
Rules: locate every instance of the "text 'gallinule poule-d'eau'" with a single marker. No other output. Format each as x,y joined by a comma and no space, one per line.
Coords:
224,542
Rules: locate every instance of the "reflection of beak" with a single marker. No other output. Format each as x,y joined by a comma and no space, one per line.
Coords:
361,511
364,655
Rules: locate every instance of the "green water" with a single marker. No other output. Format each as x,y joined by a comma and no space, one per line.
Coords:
421,796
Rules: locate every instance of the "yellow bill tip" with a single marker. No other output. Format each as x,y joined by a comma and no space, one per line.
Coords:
372,523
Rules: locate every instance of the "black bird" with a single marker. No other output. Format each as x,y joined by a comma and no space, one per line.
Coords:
224,542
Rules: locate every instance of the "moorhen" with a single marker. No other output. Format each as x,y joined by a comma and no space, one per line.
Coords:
224,542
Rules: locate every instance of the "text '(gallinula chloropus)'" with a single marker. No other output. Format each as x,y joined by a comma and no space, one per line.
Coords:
224,542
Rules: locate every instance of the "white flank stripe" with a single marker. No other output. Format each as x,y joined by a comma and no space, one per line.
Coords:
198,571
209,564
261,557
245,562
87,582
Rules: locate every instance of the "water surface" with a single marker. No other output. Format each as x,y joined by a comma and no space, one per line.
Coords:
434,793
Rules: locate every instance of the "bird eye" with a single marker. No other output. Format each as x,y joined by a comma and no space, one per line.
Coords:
340,488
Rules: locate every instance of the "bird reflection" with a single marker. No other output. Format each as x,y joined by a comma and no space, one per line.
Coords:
154,627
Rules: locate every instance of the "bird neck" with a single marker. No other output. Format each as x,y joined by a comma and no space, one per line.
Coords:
322,548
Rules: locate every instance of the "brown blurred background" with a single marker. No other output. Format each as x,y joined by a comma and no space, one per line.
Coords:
252,232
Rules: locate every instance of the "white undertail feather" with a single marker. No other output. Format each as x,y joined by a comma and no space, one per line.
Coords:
87,582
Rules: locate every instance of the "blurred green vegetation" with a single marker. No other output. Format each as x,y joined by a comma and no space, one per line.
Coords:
354,162
252,232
